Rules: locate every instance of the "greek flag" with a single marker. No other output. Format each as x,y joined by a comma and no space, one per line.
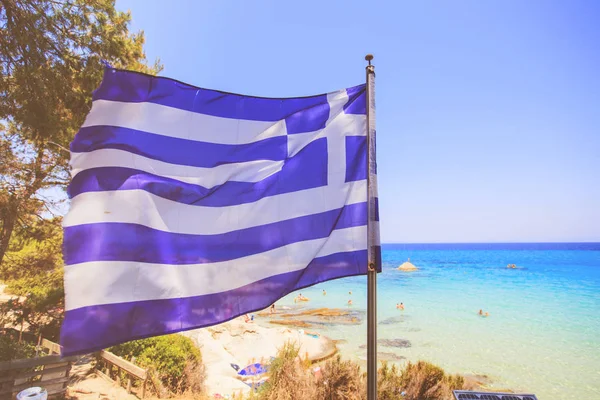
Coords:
190,207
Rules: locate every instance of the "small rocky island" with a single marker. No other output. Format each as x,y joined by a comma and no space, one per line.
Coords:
407,266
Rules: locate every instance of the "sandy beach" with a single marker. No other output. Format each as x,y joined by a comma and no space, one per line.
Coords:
244,343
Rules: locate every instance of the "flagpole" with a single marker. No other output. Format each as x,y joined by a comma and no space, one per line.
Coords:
373,245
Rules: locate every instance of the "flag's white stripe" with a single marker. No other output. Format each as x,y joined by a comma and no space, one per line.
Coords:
177,123
174,122
250,171
109,282
141,207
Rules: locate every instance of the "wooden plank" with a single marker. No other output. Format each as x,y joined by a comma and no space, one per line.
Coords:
46,370
123,364
104,376
48,375
7,378
34,362
57,387
47,383
54,348
54,392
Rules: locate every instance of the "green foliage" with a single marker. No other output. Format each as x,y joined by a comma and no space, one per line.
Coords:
50,62
389,382
35,249
11,349
174,359
33,270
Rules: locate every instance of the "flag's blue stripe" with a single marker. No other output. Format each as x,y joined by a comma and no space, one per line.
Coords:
93,328
357,100
131,242
306,170
356,158
302,114
175,150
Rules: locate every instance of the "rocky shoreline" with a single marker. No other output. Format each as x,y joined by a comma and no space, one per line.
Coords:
243,343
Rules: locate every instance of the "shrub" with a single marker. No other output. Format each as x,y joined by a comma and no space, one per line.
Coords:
174,359
11,349
341,380
425,381
289,378
389,382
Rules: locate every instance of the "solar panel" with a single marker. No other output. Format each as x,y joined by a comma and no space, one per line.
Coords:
469,395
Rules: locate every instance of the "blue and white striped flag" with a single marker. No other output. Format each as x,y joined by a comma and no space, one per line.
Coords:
190,206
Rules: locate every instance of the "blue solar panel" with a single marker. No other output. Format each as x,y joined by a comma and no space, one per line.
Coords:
470,395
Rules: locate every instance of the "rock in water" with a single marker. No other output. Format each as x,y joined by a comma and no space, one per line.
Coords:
408,266
402,343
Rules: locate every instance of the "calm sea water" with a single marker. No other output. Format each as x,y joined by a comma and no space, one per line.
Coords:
543,332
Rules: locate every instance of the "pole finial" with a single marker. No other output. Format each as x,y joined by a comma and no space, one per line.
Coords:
369,57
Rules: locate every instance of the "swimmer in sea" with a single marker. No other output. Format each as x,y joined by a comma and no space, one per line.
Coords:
324,292
350,302
400,306
480,312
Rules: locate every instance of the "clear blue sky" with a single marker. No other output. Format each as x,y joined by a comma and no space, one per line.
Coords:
488,112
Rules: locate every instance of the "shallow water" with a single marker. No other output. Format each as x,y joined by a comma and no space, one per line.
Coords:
543,332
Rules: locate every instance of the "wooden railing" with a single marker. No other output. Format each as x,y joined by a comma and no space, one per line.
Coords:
130,369
50,372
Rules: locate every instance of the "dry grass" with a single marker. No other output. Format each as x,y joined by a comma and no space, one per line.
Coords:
425,381
291,378
341,380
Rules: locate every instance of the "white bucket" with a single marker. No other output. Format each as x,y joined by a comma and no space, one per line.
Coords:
33,393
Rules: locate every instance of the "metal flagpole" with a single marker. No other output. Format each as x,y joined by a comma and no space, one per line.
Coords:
373,245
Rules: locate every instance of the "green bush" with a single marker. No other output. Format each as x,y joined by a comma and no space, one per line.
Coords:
11,349
389,382
174,359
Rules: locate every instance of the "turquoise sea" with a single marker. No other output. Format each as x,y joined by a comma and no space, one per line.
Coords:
543,332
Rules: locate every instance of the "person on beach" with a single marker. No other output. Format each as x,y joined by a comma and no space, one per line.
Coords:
272,309
400,306
247,319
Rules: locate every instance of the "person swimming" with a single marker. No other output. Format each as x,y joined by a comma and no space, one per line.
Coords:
300,298
350,302
400,306
480,312
350,293
324,292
